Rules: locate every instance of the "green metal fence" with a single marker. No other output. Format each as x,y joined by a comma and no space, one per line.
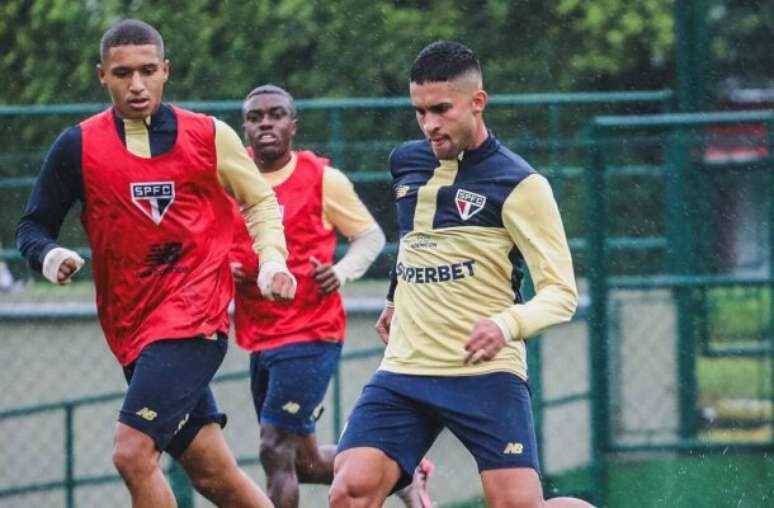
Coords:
699,310
357,134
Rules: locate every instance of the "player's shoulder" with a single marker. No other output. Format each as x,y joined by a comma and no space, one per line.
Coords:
412,155
68,143
500,163
176,117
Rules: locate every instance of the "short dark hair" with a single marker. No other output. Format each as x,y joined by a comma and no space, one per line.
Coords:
273,89
130,32
444,61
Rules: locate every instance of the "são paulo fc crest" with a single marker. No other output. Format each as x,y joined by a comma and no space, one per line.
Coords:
153,198
468,203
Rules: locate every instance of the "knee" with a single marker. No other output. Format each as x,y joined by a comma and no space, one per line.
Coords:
133,459
341,495
350,492
276,455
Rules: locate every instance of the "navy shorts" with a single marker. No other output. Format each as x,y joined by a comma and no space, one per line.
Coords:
169,396
402,415
289,382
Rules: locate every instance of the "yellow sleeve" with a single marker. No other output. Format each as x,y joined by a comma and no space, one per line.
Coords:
342,208
244,182
531,216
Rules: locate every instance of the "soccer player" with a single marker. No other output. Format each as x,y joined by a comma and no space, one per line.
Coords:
294,349
470,213
152,179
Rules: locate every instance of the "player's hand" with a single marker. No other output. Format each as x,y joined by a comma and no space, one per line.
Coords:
67,269
283,287
276,282
383,323
325,276
484,342
238,272
60,265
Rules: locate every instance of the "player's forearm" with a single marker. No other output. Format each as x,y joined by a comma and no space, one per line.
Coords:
34,242
532,218
362,252
551,306
265,227
257,201
58,185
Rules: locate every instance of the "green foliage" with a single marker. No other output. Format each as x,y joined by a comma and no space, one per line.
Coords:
315,48
221,49
741,41
618,37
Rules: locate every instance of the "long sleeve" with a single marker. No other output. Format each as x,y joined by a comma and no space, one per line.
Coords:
531,216
58,185
258,203
345,211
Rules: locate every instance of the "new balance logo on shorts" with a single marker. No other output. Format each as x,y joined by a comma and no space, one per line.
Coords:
153,198
147,414
291,407
514,449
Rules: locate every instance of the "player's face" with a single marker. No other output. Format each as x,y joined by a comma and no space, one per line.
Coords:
135,76
269,126
449,115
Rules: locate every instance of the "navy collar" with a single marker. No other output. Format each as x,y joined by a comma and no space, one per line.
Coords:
487,148
163,120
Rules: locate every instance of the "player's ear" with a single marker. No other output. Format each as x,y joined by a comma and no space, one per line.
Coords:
100,74
166,67
480,98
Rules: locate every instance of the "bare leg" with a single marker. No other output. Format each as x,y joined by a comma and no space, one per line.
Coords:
216,475
137,461
363,478
417,494
290,459
521,488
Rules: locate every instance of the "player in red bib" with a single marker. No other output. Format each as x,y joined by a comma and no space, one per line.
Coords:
295,348
153,180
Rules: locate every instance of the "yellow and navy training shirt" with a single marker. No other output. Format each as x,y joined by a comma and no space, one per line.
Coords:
467,226
342,208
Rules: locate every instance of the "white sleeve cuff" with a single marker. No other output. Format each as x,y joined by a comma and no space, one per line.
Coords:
267,272
54,259
363,250
498,320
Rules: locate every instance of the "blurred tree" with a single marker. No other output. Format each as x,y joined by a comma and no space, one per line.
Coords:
618,43
315,48
741,42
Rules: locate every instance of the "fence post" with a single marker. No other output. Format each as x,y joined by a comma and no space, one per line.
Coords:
596,199
181,486
335,140
679,256
69,457
337,404
770,173
535,374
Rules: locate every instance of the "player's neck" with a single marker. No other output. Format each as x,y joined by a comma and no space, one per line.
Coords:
479,136
270,166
